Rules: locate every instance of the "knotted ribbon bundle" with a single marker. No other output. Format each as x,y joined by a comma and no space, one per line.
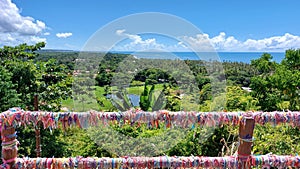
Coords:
16,116
265,161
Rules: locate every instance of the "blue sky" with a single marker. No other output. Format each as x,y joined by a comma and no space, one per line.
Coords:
229,25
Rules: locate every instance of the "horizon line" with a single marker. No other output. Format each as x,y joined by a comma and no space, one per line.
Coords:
73,50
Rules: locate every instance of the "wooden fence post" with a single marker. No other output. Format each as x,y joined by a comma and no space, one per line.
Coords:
9,145
37,129
245,140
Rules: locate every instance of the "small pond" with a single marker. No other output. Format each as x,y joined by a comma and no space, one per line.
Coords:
134,99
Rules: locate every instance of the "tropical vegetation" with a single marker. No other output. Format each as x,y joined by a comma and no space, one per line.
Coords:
175,85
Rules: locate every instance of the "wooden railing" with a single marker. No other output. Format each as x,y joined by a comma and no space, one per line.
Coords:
244,159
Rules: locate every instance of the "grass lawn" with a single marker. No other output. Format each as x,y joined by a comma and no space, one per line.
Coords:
75,105
139,89
89,103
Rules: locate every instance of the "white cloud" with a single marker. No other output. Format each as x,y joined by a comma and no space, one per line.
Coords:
203,42
64,35
13,39
222,42
199,43
137,43
47,33
120,31
15,28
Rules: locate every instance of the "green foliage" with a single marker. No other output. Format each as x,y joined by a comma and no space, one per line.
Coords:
150,100
83,94
292,59
58,143
238,99
24,78
281,139
20,79
51,145
173,99
22,51
145,98
264,64
277,86
153,76
237,73
9,97
204,141
235,99
205,93
25,71
121,101
66,58
78,142
173,103
47,79
107,67
53,84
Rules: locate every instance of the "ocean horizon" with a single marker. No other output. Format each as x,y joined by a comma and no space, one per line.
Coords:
245,57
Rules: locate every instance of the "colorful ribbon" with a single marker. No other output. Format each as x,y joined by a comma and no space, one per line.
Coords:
266,161
16,116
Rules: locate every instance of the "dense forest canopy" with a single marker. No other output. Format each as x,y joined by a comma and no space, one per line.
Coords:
262,85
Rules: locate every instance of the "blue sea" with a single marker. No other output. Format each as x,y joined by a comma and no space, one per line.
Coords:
245,57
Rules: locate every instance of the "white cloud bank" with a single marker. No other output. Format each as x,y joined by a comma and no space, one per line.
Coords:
202,42
138,44
64,35
230,43
15,28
